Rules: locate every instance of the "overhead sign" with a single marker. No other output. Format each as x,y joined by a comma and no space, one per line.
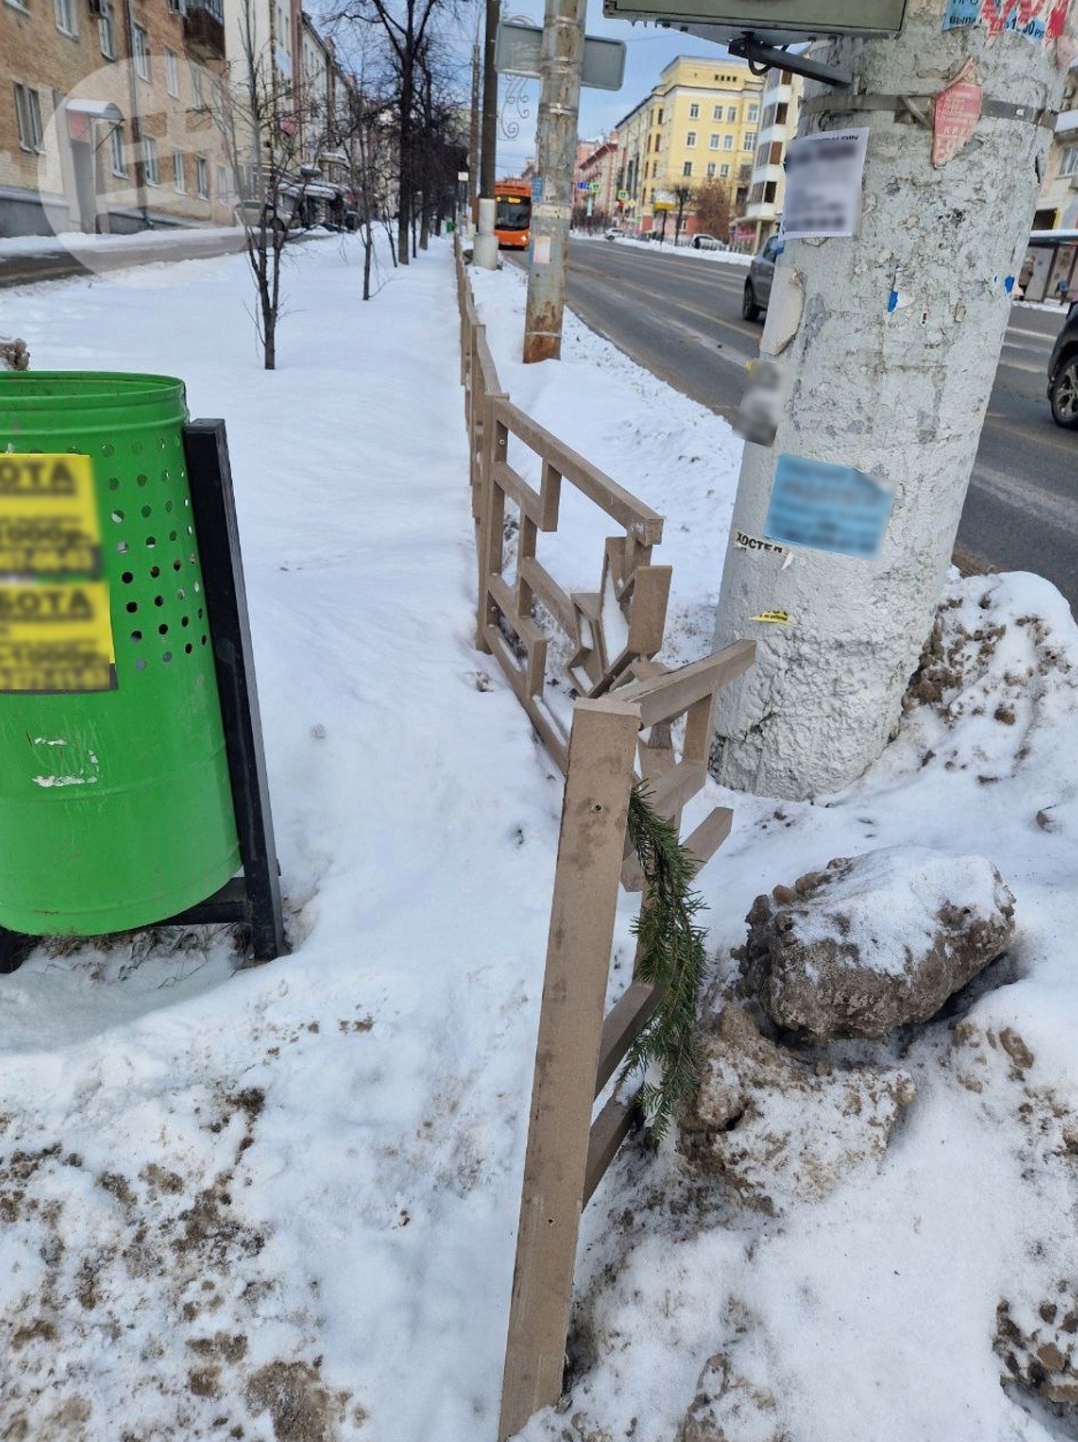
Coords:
823,184
827,508
781,22
518,48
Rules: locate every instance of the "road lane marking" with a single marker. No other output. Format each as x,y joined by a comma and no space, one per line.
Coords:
1025,495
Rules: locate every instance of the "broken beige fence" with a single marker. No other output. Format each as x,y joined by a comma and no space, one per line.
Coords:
634,721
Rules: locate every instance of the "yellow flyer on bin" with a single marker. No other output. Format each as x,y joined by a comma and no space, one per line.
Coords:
56,637
48,516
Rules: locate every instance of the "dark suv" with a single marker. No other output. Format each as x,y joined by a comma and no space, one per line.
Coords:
1063,374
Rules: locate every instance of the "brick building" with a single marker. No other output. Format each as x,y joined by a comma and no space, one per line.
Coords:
107,116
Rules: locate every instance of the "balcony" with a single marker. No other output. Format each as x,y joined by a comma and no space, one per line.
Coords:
204,30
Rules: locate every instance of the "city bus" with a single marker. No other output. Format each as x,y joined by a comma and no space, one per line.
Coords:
513,214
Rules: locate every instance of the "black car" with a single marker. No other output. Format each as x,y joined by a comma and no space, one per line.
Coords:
1063,374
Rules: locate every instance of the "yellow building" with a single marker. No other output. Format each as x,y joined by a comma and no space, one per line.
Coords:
698,123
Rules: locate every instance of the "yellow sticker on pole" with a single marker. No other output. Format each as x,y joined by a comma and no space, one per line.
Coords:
56,637
773,618
48,516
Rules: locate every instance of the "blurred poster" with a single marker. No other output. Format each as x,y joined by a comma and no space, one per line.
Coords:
827,507
823,184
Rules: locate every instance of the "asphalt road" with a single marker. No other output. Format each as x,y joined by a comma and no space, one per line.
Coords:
680,316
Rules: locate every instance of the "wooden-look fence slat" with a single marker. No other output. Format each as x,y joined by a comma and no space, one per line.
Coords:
529,501
612,1126
602,748
624,1022
705,840
637,518
557,601
667,696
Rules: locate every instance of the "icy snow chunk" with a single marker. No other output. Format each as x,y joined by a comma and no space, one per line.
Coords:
875,941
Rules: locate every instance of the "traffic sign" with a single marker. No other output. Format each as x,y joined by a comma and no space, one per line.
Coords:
517,50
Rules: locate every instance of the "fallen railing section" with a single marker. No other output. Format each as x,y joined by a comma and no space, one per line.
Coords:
634,722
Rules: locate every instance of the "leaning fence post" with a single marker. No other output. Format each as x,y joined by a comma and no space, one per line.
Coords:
602,750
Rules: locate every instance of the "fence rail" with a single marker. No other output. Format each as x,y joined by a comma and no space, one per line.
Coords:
635,722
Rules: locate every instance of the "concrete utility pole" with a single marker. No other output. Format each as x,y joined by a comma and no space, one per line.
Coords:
473,139
488,166
889,343
561,64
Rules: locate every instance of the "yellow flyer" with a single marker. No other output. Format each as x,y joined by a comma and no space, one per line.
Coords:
56,637
48,516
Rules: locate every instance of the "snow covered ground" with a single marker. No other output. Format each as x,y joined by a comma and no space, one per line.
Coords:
280,1204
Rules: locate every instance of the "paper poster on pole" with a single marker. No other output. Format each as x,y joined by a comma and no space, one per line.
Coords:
824,174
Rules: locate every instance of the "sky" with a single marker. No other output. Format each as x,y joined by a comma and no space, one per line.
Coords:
649,48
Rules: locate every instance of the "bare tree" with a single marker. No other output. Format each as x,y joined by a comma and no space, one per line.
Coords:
713,208
258,114
682,194
406,26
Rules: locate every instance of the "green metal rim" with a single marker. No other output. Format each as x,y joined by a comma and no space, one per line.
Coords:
68,396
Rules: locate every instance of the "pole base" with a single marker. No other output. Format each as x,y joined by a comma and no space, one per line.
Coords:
485,252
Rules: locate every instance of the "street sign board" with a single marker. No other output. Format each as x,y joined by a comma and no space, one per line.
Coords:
517,50
780,22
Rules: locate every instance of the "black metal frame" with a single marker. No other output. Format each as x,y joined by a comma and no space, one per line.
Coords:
253,899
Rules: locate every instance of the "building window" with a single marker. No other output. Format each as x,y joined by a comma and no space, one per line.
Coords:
107,37
711,170
716,114
713,143
203,171
686,169
660,119
172,74
142,54
727,142
196,87
1068,165
178,177
116,150
754,111
731,113
28,113
724,172
769,191
149,161
65,17
781,112
694,111
658,143
690,139
749,141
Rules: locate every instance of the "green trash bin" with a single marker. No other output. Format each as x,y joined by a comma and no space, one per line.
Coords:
115,800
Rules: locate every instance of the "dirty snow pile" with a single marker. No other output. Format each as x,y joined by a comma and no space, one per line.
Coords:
279,1204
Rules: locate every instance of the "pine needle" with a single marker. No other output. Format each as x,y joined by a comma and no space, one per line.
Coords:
672,957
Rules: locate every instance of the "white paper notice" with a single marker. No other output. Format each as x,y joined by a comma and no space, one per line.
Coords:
541,250
823,184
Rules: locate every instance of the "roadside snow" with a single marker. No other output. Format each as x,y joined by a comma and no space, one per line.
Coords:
284,1200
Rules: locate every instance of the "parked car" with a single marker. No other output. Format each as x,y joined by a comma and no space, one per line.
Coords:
1063,374
702,241
614,232
758,280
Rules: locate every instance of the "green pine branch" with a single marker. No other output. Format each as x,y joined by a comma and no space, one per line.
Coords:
672,957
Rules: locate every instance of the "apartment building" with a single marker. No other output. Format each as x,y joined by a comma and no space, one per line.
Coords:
781,101
700,122
1057,204
597,182
107,117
